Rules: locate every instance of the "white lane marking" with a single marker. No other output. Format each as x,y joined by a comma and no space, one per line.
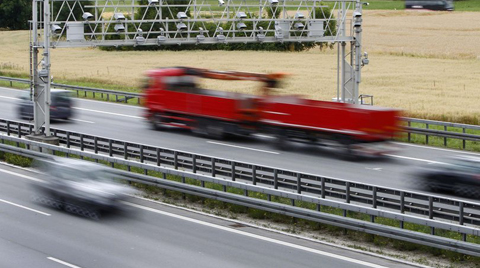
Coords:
439,149
376,169
102,112
63,262
275,241
241,147
21,175
11,89
415,159
84,121
20,206
10,98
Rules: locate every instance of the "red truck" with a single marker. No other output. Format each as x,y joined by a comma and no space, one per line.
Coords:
173,98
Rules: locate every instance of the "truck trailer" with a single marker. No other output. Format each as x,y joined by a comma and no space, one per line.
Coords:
173,98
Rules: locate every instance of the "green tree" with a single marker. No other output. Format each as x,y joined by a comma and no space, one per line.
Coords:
14,14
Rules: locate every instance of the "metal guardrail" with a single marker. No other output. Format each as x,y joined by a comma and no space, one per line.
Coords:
404,206
267,205
120,96
459,131
446,133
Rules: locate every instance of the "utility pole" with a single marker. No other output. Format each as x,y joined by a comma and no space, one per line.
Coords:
41,79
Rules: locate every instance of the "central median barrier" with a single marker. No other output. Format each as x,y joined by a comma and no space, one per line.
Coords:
434,212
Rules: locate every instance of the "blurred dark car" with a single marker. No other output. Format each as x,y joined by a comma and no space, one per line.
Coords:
460,175
81,187
61,107
445,5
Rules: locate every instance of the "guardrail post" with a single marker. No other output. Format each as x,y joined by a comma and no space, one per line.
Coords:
116,98
184,196
194,163
77,93
430,207
8,128
30,129
93,92
20,131
233,171
445,138
323,187
68,139
138,102
275,179
463,139
159,159
126,99
402,202
175,160
81,142
426,136
254,175
85,94
402,207
299,183
125,151
213,167
374,197
347,192
460,213
95,145
409,134
108,97
110,148
141,155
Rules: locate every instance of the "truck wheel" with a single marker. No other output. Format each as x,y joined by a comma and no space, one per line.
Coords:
346,148
157,121
281,140
215,131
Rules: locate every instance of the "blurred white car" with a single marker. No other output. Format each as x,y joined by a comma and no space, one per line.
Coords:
81,187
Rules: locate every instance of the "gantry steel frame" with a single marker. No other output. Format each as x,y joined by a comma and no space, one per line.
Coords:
113,23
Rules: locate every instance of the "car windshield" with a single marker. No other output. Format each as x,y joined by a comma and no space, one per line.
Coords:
63,96
71,174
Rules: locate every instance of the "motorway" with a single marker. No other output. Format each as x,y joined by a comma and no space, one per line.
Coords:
150,235
125,122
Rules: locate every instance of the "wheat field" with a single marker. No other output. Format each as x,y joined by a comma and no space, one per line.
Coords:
426,63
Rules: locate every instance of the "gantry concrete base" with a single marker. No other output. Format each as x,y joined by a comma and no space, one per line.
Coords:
44,139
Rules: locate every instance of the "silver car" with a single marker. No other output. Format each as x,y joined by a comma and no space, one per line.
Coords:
80,187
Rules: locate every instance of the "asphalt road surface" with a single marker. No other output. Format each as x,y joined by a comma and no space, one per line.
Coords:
151,235
125,122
